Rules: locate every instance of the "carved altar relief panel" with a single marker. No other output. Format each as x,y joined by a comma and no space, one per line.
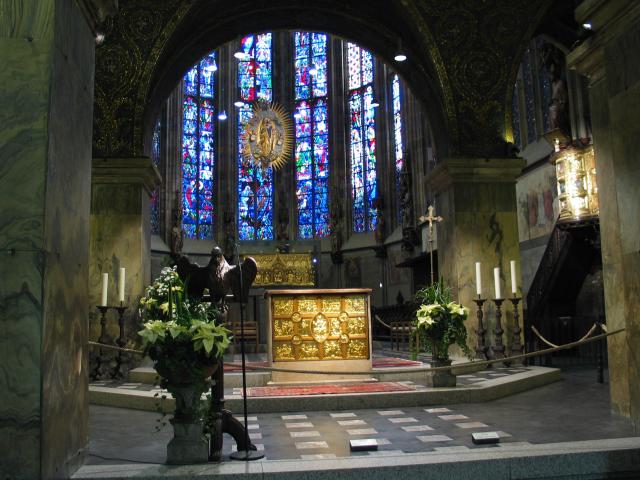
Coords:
320,327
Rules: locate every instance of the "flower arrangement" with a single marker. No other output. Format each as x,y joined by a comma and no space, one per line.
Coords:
180,334
439,321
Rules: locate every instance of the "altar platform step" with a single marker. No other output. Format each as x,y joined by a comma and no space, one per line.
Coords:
385,369
472,388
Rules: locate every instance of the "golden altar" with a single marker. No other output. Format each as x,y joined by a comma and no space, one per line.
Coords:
292,269
321,330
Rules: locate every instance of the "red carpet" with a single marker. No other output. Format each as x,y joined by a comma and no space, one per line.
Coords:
386,362
328,389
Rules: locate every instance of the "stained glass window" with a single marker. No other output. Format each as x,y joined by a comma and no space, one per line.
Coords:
312,134
529,96
515,119
362,138
397,131
198,155
255,185
155,158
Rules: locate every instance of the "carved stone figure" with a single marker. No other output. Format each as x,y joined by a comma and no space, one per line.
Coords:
177,235
282,229
553,61
379,231
229,235
409,234
335,225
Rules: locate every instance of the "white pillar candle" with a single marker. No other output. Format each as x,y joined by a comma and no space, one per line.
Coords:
478,280
496,278
514,287
105,285
121,286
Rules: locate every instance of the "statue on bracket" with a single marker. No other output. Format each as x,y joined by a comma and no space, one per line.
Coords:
409,234
335,225
554,64
229,234
177,235
379,231
282,226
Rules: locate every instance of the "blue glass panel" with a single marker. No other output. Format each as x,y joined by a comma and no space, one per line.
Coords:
311,152
198,149
529,97
362,137
515,117
255,187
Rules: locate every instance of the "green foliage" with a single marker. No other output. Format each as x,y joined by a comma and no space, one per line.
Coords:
439,321
182,336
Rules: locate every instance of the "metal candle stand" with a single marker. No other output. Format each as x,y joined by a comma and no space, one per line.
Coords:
122,361
105,365
516,345
498,348
481,347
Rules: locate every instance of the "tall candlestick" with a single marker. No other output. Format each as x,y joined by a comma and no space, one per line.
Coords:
514,288
496,279
478,280
105,286
121,285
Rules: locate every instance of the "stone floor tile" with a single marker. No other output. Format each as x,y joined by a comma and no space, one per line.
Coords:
298,425
453,417
304,434
434,438
416,428
308,445
348,423
471,425
362,431
402,420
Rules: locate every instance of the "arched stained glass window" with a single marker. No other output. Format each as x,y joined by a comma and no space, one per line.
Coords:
155,158
397,131
312,134
198,156
362,138
255,186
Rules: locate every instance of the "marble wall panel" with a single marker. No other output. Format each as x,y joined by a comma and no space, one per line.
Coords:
20,360
119,238
480,226
26,51
67,208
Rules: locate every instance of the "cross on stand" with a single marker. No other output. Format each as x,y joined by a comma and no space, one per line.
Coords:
430,218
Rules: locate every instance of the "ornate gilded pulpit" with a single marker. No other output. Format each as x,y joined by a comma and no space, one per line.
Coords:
321,330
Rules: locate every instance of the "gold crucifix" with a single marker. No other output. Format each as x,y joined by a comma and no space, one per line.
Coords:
431,218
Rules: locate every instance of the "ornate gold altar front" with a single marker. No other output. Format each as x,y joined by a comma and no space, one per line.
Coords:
294,269
319,330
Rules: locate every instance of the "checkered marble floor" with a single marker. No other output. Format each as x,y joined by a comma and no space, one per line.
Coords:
327,434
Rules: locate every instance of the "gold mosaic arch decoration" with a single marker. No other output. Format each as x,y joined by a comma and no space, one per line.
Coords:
267,137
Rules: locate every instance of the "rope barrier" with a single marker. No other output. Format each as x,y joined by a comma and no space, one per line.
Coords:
585,336
566,346
380,321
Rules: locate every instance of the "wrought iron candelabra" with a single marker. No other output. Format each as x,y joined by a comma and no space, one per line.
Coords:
498,348
105,365
481,348
516,345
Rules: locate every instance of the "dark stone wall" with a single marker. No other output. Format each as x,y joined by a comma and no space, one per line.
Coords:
66,229
45,150
26,45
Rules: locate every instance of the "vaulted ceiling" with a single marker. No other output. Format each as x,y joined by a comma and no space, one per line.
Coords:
463,58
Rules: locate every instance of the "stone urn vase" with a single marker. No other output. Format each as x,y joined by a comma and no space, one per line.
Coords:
441,378
189,445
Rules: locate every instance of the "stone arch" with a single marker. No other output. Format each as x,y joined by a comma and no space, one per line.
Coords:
192,32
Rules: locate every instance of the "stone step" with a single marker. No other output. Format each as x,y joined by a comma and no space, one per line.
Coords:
148,375
145,396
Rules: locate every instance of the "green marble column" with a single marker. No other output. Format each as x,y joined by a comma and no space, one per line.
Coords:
46,109
477,200
120,233
609,58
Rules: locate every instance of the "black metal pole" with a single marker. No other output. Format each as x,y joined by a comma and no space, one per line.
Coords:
247,454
